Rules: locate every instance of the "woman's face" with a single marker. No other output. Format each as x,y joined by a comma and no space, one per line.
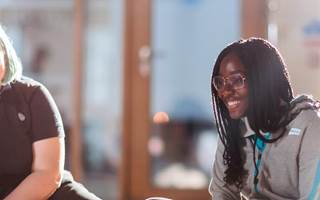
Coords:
234,88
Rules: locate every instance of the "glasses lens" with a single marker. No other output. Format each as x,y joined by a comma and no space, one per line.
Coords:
236,80
218,82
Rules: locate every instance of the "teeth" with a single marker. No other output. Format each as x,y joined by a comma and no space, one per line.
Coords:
233,103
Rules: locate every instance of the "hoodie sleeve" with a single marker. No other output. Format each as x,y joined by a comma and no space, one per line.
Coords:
218,189
309,161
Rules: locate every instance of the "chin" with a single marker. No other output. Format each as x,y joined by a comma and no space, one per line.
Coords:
236,115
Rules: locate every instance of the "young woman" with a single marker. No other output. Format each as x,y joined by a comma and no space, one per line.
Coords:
269,140
31,138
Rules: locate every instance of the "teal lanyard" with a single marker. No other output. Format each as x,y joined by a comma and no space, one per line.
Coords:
260,145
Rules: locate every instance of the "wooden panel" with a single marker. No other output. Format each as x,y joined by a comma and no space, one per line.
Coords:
254,18
135,180
140,103
75,133
134,170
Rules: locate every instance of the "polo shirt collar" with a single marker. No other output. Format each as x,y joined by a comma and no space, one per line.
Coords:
4,88
247,131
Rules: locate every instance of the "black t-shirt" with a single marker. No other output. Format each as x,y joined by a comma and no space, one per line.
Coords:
28,113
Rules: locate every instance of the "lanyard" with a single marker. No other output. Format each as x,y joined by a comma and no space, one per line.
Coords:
260,145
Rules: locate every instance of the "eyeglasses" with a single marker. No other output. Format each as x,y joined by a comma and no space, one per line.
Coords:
236,81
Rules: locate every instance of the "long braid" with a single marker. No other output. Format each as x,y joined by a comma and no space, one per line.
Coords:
229,134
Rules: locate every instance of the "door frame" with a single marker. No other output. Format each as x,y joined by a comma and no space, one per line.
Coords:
134,173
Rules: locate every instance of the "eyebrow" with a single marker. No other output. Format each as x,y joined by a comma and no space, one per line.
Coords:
235,72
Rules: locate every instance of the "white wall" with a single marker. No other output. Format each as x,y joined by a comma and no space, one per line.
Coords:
300,48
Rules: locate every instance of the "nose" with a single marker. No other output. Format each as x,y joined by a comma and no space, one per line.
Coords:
226,91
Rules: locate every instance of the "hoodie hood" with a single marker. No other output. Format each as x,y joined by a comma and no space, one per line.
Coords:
297,105
300,103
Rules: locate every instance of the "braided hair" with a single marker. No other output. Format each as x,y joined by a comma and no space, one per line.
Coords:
270,94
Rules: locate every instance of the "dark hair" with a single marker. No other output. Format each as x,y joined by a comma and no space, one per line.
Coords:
270,93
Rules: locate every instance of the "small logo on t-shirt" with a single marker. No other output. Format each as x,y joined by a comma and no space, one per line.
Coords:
294,131
21,116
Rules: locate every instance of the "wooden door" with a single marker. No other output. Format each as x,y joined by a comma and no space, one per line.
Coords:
148,66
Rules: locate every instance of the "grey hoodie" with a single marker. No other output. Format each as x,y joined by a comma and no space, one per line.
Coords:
289,168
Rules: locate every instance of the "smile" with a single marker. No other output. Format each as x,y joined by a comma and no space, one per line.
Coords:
233,104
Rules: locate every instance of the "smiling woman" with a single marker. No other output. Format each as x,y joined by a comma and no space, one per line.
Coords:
269,139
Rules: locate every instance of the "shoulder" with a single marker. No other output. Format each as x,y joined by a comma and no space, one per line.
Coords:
310,137
306,124
313,116
28,87
26,82
309,117
310,120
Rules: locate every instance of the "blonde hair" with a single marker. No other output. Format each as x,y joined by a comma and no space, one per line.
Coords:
13,67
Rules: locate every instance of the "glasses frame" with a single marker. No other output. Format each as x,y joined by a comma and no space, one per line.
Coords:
226,80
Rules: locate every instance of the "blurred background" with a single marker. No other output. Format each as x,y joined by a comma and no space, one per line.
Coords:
132,80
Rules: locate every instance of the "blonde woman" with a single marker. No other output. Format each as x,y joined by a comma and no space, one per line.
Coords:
32,148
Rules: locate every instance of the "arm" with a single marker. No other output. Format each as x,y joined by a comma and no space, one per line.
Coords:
46,173
309,162
218,189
